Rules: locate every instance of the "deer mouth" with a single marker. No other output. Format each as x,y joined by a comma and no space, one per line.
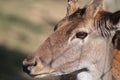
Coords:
36,72
43,75
39,75
46,74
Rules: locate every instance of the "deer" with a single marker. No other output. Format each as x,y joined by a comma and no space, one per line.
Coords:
81,44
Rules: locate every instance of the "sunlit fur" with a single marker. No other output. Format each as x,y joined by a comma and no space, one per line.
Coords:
63,53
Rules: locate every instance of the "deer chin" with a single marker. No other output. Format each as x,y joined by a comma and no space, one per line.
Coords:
43,75
40,73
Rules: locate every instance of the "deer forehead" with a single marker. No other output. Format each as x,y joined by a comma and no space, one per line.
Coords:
78,25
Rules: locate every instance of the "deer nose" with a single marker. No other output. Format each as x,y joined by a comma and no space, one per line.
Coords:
27,67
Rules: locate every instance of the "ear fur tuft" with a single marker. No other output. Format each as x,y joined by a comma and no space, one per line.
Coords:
115,18
72,7
94,7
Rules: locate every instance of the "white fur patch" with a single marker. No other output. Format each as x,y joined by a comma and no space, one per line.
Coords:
41,76
84,76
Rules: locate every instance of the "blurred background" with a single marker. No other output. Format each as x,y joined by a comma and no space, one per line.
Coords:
24,25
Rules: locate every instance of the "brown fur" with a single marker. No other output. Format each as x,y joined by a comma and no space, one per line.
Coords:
63,53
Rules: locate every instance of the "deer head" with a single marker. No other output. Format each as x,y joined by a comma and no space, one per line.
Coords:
80,41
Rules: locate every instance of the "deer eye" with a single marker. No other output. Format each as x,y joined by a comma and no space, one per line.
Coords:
81,35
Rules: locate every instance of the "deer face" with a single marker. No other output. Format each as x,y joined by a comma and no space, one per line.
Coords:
78,38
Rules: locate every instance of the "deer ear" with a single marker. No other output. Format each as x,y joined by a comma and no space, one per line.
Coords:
72,7
94,7
115,19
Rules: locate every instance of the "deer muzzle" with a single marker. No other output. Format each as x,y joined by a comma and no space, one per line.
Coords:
35,67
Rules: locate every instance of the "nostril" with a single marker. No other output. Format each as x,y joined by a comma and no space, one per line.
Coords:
35,64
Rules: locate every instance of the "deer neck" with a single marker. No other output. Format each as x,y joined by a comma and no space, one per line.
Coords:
107,69
101,70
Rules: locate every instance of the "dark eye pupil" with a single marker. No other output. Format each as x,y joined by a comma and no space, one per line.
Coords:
81,35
